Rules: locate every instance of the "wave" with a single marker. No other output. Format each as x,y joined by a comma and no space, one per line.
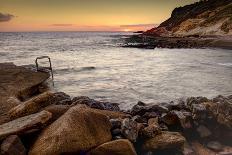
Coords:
225,64
67,70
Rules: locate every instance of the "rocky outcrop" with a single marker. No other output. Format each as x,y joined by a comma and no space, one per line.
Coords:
25,124
78,130
19,83
211,17
116,147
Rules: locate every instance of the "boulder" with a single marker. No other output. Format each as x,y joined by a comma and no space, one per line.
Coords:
12,145
61,98
151,130
95,104
221,110
175,117
18,82
116,147
78,130
165,140
57,110
31,106
25,124
129,129
139,109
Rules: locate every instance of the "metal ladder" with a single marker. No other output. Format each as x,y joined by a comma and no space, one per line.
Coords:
44,69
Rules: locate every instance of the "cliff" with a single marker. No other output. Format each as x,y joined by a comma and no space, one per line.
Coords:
204,18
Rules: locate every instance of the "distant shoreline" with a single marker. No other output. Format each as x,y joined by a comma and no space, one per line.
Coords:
151,42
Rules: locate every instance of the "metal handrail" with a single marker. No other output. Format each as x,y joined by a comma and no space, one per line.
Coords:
50,67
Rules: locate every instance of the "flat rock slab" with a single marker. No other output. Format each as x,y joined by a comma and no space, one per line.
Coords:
19,82
25,124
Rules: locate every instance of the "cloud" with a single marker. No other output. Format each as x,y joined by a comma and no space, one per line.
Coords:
5,17
62,25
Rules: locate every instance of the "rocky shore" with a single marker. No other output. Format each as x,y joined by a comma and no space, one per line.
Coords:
150,42
38,121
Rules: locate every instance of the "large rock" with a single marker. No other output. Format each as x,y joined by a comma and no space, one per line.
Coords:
18,82
60,98
152,129
116,147
221,109
130,129
25,124
165,140
78,130
57,110
12,145
31,106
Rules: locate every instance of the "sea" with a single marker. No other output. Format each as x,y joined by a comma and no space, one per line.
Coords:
94,64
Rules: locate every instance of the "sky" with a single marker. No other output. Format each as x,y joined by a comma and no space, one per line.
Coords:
85,15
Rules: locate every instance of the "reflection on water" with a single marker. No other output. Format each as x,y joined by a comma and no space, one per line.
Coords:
92,64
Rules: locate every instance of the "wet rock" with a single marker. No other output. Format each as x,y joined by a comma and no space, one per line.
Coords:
195,100
31,106
199,111
79,129
140,103
203,131
25,124
12,145
129,129
116,123
60,98
141,110
95,104
216,146
116,147
57,110
116,132
112,114
151,130
175,117
165,140
221,111
139,119
149,115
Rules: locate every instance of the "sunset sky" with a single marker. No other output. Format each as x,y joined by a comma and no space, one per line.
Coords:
85,15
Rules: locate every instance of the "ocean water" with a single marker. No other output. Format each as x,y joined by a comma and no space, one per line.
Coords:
93,64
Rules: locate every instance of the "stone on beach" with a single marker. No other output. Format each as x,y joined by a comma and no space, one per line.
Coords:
12,145
25,124
129,129
79,129
165,140
95,104
116,147
57,110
